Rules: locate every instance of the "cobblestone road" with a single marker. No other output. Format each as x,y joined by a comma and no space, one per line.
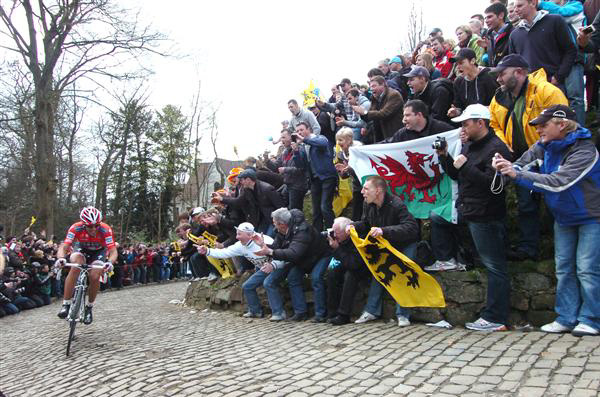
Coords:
140,345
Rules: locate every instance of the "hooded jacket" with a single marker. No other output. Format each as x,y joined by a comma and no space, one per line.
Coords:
539,95
302,245
567,172
469,92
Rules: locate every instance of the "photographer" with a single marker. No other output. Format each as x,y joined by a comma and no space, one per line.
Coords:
42,283
483,210
343,279
13,290
292,169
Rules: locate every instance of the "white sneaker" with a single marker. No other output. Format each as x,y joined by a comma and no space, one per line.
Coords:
403,321
212,277
365,318
278,317
440,266
585,330
556,328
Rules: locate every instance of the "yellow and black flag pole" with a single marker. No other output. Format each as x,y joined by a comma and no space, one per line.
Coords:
224,266
408,284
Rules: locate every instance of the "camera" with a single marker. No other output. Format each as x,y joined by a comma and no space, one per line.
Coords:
439,144
328,233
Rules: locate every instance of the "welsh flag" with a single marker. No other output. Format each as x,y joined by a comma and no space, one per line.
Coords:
413,173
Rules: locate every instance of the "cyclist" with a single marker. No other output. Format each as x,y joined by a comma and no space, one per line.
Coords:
95,239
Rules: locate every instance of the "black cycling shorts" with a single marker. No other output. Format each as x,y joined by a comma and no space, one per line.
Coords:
91,256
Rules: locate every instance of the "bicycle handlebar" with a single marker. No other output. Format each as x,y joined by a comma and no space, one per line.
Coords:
79,266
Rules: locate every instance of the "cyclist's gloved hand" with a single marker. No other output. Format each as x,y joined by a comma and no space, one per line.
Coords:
108,267
60,262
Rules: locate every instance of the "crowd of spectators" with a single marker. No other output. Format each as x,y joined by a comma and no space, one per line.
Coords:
514,81
28,278
504,68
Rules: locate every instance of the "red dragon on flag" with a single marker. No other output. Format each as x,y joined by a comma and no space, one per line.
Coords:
398,176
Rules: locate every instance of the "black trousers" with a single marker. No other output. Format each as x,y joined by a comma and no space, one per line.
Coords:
342,285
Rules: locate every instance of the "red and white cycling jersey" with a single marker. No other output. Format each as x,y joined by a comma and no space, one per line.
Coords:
102,239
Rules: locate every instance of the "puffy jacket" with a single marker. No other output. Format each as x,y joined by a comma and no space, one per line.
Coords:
302,245
398,225
475,201
539,95
349,257
567,171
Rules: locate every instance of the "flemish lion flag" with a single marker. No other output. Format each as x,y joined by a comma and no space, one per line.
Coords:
224,266
405,281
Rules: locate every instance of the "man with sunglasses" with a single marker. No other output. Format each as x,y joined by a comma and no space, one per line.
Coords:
95,243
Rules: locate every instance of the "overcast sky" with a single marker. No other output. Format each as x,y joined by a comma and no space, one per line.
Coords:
253,56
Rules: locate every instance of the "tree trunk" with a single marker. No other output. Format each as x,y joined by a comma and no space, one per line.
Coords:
45,162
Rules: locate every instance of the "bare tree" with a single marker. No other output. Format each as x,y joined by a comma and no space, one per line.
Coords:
61,41
417,30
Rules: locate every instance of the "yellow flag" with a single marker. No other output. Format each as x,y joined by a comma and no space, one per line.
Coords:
311,94
344,196
224,266
405,281
32,221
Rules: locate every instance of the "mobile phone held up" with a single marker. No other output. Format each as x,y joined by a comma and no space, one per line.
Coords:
589,29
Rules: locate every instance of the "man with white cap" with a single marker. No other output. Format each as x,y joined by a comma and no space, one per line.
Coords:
482,210
246,247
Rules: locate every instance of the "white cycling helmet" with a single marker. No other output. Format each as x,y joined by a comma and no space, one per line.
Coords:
90,216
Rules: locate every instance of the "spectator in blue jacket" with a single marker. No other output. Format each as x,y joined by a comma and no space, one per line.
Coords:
564,166
318,157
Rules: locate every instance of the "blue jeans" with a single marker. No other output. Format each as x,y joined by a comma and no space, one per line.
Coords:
489,242
322,201
295,282
374,304
575,90
529,221
577,258
165,273
10,308
270,281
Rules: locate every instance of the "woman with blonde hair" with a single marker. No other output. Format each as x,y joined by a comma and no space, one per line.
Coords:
425,59
344,140
466,39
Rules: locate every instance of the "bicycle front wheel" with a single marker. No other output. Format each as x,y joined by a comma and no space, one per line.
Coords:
72,324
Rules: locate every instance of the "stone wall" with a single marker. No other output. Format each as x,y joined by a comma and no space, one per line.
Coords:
532,295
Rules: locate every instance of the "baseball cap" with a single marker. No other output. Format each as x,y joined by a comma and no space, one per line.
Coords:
511,61
196,211
417,71
248,173
556,111
245,227
463,53
395,60
435,31
475,111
